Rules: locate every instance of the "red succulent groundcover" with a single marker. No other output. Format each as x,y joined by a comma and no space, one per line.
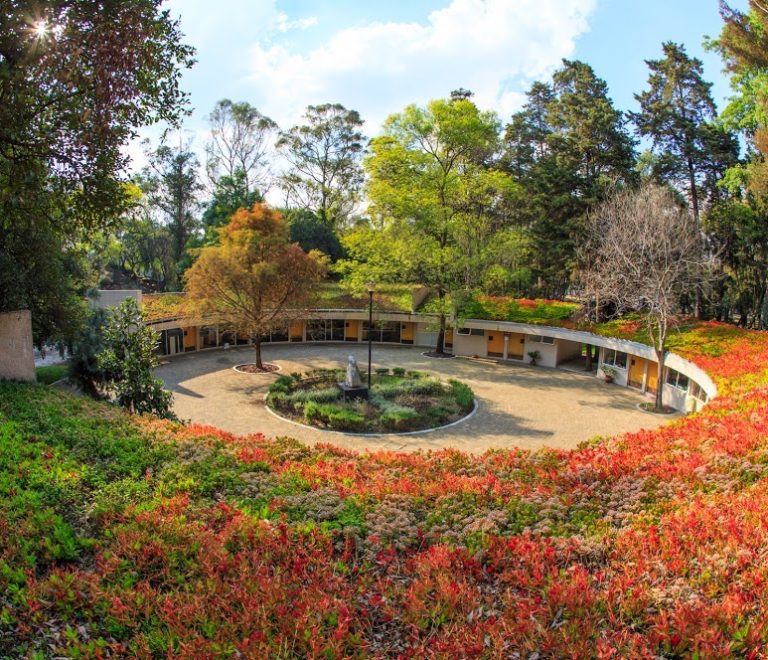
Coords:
136,537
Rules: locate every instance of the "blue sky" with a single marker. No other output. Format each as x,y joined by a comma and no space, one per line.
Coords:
377,56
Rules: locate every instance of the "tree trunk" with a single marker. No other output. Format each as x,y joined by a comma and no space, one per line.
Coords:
440,348
257,345
659,379
695,204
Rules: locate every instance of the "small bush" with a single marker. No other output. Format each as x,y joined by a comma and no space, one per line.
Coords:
278,399
346,420
382,371
463,393
284,382
429,386
398,371
416,374
388,390
325,395
399,419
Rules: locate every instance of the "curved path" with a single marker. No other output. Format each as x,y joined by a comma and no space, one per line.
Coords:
519,406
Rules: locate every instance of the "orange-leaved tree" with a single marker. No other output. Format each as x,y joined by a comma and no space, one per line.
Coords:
256,281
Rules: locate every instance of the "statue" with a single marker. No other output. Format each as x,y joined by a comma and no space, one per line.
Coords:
353,387
353,378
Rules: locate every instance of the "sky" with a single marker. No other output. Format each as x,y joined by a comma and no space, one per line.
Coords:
377,56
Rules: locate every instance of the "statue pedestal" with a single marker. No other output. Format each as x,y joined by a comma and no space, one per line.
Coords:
352,392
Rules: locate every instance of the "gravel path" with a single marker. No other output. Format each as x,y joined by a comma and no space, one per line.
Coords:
519,406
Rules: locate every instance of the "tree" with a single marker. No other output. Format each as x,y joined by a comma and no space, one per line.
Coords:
172,187
84,364
566,147
128,359
230,193
739,229
325,174
311,233
435,197
76,82
677,112
743,44
256,281
643,252
239,146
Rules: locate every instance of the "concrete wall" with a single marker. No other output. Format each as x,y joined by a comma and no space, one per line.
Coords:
17,361
470,345
113,297
547,352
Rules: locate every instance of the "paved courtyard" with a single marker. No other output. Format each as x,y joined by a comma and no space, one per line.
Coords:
519,406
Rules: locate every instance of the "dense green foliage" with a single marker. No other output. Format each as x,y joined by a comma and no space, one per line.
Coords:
127,359
75,91
399,402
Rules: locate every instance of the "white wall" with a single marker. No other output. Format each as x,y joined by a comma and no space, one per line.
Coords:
548,352
470,345
112,297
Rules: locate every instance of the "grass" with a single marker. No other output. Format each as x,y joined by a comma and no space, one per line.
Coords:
50,374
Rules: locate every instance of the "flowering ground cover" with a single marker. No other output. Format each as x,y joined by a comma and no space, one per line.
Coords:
131,536
520,310
159,306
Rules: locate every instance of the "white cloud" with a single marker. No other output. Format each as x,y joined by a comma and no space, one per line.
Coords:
493,47
283,24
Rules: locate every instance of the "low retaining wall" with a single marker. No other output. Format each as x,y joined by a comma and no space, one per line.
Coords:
17,360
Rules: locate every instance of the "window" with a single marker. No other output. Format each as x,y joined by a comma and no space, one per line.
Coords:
325,330
541,340
678,380
696,391
208,334
614,358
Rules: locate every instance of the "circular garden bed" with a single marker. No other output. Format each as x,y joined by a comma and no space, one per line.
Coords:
251,368
399,401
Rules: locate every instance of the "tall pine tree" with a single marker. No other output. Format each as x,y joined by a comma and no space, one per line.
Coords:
566,147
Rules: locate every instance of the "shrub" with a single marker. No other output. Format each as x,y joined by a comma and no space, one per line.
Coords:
399,419
463,393
278,399
398,371
346,420
282,383
325,395
426,386
388,390
382,371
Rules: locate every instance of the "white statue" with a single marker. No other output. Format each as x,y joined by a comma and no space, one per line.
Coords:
353,378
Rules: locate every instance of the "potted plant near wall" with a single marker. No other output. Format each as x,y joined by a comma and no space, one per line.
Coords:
609,373
535,357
